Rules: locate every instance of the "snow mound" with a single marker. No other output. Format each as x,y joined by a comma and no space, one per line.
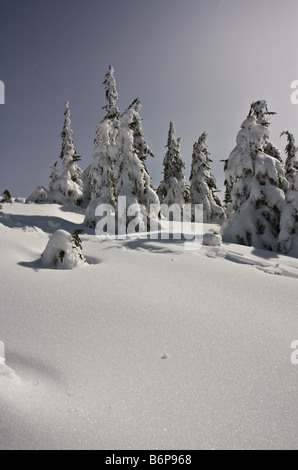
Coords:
62,252
8,373
212,239
40,194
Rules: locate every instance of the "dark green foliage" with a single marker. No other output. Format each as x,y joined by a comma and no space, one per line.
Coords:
258,111
291,164
77,240
61,255
6,196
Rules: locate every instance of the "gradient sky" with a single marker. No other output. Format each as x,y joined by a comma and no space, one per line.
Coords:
199,63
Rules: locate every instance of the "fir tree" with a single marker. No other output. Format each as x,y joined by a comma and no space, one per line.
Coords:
289,216
76,239
101,173
69,186
111,95
203,188
131,176
288,234
54,176
68,151
6,196
291,164
228,206
256,184
173,189
141,147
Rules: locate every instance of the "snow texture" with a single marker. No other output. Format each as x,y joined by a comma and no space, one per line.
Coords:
137,351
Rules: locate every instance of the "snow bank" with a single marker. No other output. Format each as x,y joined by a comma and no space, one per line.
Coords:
144,352
62,253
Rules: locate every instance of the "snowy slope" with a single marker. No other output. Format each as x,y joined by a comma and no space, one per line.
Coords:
148,346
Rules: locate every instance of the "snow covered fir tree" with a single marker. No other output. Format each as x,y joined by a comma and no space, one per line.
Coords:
118,167
291,163
203,188
101,173
173,189
131,176
256,184
288,236
69,186
140,145
54,176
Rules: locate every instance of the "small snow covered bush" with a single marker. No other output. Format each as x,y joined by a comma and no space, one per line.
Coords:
6,197
40,194
63,251
212,239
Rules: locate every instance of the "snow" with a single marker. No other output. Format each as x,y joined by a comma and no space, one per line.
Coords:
135,351
61,252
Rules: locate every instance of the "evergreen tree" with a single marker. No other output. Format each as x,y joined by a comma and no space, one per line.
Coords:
69,186
111,95
173,189
101,173
141,147
256,184
54,176
131,176
288,235
203,189
228,205
289,216
6,197
291,164
68,151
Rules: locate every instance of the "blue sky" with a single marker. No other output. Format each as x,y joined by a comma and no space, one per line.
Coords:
199,63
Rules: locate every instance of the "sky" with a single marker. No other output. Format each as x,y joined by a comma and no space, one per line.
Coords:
198,63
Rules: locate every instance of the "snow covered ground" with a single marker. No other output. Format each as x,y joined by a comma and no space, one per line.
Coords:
147,346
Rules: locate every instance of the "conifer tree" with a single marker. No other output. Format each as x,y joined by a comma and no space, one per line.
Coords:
173,189
289,215
291,164
69,186
6,196
111,95
256,184
203,188
54,176
131,176
68,151
141,147
101,173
